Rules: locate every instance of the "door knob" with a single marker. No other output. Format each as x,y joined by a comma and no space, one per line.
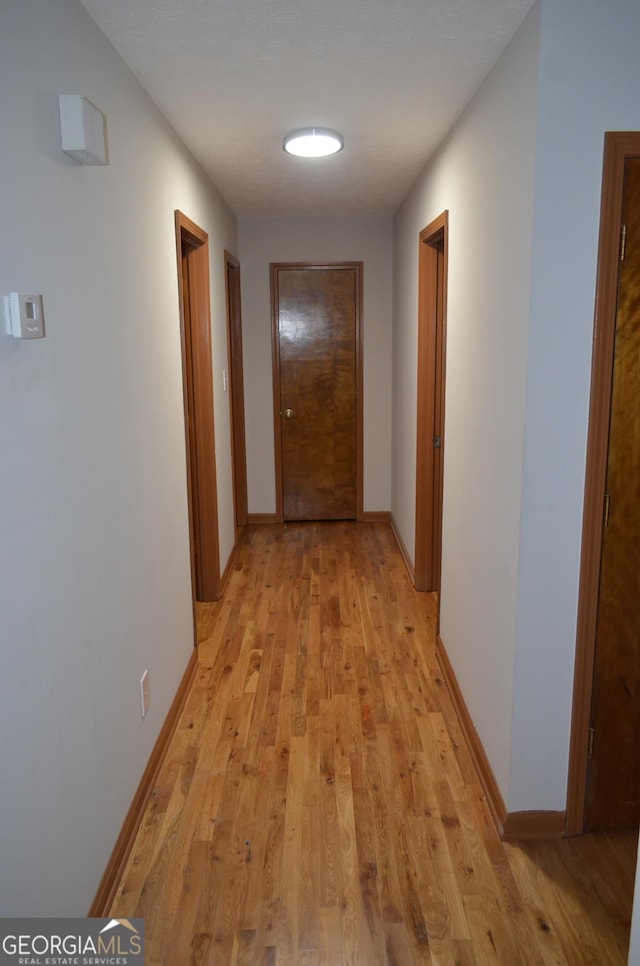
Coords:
288,413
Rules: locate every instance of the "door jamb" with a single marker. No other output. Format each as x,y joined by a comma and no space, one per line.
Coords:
432,315
274,268
199,425
617,147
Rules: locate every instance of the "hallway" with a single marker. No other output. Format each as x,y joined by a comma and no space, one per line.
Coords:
318,806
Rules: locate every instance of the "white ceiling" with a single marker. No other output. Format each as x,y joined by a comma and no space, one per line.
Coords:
234,76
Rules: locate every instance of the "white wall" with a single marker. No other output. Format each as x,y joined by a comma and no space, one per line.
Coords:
589,83
521,175
634,944
265,240
483,175
94,560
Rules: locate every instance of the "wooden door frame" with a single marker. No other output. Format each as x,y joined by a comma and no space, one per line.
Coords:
432,316
618,146
236,389
199,425
274,268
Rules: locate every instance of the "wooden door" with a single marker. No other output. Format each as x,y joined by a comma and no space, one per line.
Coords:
432,301
613,785
236,390
193,280
316,331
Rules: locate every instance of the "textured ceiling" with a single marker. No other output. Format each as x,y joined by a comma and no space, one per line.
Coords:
234,76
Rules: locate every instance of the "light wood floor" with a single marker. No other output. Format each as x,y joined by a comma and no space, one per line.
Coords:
318,804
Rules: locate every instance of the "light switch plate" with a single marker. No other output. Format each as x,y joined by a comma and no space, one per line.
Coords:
145,693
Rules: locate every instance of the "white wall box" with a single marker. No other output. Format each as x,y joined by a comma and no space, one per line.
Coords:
83,129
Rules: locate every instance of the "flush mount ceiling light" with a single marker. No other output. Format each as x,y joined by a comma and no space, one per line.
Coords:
313,142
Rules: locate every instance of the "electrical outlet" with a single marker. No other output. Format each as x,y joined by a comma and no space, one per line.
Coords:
145,693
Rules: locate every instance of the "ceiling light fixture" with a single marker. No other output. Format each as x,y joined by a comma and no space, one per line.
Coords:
313,142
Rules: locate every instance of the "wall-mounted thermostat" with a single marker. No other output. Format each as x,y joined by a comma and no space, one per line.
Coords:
24,316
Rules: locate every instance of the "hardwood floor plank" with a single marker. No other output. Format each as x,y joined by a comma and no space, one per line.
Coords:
318,805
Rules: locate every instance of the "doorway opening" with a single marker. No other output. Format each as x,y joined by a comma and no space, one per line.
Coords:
192,245
432,310
597,673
